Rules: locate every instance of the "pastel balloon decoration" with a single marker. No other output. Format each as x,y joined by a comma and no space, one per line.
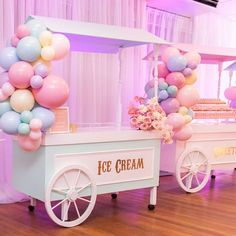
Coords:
170,105
230,93
14,40
9,122
26,116
28,144
53,93
188,96
149,84
23,129
5,107
172,90
46,116
162,70
61,45
183,110
36,27
168,52
175,120
191,79
48,53
41,70
41,61
187,72
162,85
151,93
163,95
22,31
21,100
36,124
8,57
36,82
28,49
188,118
3,78
3,97
192,58
176,78
8,89
176,63
45,38
20,74
184,133
232,104
35,135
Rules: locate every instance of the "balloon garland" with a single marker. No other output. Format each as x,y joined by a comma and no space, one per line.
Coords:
28,92
176,95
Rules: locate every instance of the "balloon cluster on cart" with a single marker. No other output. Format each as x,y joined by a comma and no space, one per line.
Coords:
28,90
230,94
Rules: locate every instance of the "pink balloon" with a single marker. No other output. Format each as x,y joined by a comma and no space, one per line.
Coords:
20,74
61,45
22,31
53,93
27,144
230,93
188,96
184,133
187,72
35,135
14,40
176,120
168,52
8,89
162,70
176,78
170,105
36,124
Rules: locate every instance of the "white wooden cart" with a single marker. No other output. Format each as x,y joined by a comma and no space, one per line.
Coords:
213,144
69,170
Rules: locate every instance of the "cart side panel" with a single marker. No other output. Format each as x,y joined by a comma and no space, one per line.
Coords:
29,171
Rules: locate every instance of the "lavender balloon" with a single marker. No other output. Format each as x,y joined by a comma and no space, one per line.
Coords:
42,70
170,105
3,78
36,82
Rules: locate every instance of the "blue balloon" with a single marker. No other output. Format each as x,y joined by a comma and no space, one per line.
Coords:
163,95
191,113
9,122
45,115
23,129
149,84
151,93
8,57
162,85
28,49
36,27
176,63
5,107
172,90
26,116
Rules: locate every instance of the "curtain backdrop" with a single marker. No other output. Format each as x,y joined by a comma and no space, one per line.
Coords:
94,80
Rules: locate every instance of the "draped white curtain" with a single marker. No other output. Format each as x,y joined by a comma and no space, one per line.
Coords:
94,79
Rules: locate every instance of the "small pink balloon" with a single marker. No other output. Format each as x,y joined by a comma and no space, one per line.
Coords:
184,133
53,93
14,40
187,72
168,52
8,89
35,135
27,144
162,70
36,124
230,93
176,78
22,31
3,97
61,45
176,120
20,74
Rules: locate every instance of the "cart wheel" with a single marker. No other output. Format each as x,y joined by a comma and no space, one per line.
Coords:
151,207
65,199
114,196
192,171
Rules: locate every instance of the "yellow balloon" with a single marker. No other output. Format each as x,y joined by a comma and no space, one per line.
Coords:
47,53
22,100
192,78
42,61
187,118
183,110
45,38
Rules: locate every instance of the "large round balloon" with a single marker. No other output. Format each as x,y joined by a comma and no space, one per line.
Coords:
20,74
45,38
230,93
45,115
5,107
9,122
184,133
168,52
162,70
22,100
176,63
28,49
61,45
36,27
176,120
53,93
170,105
28,144
176,78
188,96
8,57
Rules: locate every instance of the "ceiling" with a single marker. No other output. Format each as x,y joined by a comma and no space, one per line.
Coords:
191,8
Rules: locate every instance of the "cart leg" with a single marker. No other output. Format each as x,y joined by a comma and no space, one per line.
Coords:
64,210
114,195
32,204
153,198
213,174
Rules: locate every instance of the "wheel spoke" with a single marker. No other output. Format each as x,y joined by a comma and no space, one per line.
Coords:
83,187
83,199
186,167
197,179
201,172
76,208
66,180
77,179
66,212
59,203
189,182
202,163
60,191
189,173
